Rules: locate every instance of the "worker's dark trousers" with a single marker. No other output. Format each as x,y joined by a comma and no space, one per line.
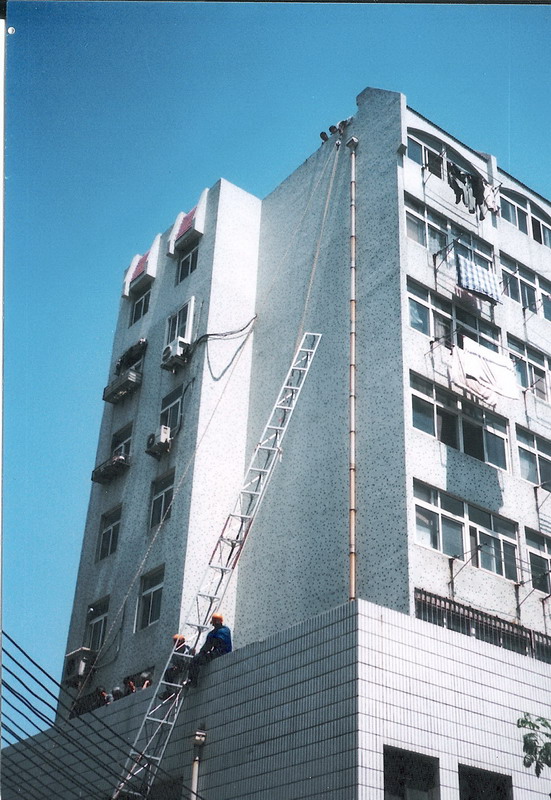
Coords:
199,661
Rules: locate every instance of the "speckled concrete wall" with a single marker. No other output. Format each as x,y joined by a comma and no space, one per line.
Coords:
208,454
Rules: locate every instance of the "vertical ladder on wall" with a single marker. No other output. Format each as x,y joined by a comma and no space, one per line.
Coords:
148,749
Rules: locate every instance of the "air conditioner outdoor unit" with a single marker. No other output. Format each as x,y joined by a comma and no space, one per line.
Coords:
78,665
158,442
175,353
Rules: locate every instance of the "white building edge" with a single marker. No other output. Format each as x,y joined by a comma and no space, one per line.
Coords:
412,692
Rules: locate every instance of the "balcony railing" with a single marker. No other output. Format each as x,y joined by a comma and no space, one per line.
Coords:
486,627
125,384
115,465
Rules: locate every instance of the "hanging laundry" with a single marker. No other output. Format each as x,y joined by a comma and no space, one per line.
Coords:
455,180
461,377
477,279
484,372
491,197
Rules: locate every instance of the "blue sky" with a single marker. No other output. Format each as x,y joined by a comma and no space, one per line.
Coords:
118,115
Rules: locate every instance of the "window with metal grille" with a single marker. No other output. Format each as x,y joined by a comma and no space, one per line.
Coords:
97,623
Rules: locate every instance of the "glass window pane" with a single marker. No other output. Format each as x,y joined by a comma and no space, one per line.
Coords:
155,609
546,306
543,445
426,527
451,504
480,517
521,371
419,317
156,511
490,553
545,473
536,540
473,443
415,151
417,290
525,437
415,229
434,163
443,330
536,230
509,561
420,384
540,572
528,467
511,287
508,211
528,295
505,527
437,240
146,604
446,427
522,220
546,236
423,415
452,537
495,450
422,491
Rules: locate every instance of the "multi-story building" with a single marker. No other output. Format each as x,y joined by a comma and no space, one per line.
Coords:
412,690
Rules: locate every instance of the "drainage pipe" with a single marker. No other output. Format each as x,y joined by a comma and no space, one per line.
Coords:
352,143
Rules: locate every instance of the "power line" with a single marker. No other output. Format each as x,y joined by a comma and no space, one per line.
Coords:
113,745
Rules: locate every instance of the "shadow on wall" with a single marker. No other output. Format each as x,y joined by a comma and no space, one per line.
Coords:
466,477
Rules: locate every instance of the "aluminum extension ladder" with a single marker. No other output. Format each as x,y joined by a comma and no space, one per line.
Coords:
147,751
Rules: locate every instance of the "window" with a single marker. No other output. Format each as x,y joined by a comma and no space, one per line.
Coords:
475,784
439,520
424,226
109,533
97,623
531,367
180,324
458,423
446,322
515,212
526,217
434,231
539,552
151,594
187,263
121,441
171,409
140,305
443,520
525,287
429,157
535,458
410,776
161,505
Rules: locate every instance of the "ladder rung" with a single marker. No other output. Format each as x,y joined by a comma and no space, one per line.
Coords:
167,683
265,447
208,596
222,569
258,469
275,428
241,516
198,625
249,491
160,721
181,655
294,388
227,540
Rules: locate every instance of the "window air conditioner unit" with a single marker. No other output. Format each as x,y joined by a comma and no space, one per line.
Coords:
175,353
158,442
78,666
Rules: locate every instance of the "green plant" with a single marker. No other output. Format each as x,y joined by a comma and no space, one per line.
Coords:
537,743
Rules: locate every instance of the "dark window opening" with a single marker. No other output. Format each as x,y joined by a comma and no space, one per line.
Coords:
410,775
478,784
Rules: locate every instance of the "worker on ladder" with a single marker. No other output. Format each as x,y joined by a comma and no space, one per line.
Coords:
217,643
